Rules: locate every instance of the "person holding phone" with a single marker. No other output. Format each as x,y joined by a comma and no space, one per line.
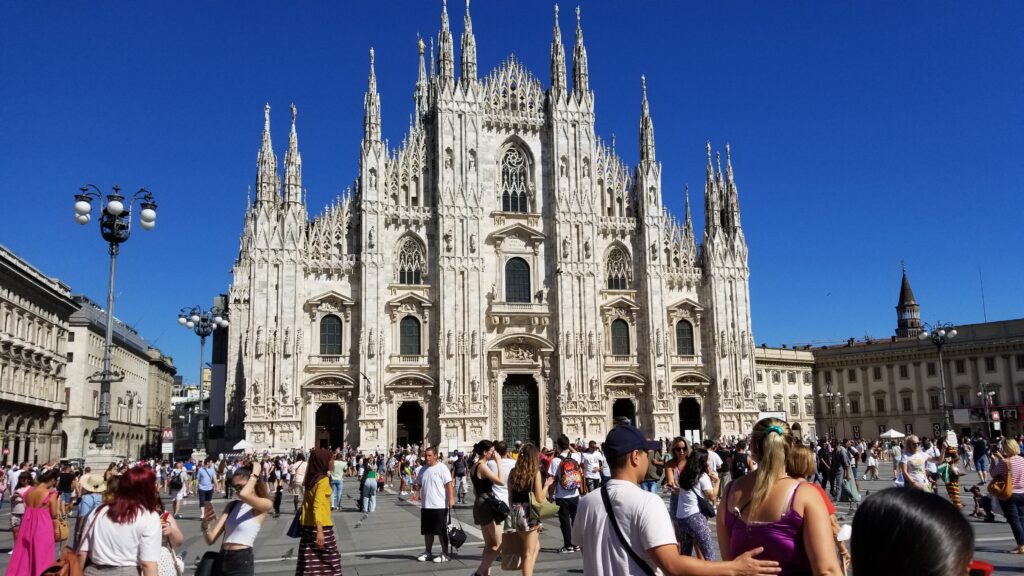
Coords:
240,522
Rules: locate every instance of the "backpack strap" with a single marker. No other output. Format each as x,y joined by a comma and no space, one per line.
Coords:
644,567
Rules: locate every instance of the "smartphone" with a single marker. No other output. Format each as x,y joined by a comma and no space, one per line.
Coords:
164,517
209,513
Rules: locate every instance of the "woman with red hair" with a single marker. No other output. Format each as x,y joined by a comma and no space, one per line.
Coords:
124,537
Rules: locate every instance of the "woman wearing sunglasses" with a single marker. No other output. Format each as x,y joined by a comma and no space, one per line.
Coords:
239,523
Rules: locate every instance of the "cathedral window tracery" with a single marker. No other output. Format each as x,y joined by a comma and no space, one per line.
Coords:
411,262
330,335
514,179
619,269
517,280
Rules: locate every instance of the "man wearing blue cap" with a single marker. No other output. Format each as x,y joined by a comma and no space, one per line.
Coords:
625,530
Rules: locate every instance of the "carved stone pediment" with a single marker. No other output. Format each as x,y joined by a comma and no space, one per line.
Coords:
516,232
410,303
519,352
330,302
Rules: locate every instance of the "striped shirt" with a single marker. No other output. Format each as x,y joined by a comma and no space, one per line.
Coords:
1016,464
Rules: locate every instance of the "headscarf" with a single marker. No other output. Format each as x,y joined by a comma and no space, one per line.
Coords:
316,466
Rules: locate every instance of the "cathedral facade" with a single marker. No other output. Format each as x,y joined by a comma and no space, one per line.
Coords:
502,273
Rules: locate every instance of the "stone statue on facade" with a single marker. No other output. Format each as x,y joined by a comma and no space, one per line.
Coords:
474,387
287,343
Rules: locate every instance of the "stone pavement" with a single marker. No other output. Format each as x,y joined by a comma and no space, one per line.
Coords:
388,541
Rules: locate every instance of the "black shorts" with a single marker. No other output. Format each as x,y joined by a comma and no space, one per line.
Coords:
433,521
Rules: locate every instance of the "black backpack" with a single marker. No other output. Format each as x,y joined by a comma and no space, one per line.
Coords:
739,465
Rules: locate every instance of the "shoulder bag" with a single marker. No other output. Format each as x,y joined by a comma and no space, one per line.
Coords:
1002,489
644,566
456,535
541,509
707,509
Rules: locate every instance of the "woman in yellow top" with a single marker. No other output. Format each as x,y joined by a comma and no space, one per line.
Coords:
318,550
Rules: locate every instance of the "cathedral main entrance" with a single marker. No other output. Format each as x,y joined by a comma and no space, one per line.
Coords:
624,407
689,420
330,426
410,423
520,409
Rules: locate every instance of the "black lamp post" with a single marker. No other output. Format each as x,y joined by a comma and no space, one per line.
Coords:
939,333
834,400
115,228
203,323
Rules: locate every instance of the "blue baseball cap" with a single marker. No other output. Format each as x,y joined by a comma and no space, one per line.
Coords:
625,438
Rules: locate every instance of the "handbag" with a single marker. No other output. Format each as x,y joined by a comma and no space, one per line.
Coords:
499,510
707,510
169,563
542,509
206,564
644,566
1002,489
61,532
511,551
456,535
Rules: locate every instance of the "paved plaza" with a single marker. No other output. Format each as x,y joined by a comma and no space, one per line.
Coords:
388,541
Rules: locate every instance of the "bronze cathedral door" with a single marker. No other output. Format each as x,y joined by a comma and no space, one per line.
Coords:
520,409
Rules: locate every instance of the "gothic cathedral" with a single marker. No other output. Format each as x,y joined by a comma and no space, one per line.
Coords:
500,274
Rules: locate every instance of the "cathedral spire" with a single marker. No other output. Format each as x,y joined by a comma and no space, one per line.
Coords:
468,49
580,75
293,166
267,183
445,56
557,61
711,208
646,127
421,82
689,218
371,107
732,200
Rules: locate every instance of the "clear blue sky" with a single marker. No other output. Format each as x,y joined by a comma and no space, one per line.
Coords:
862,134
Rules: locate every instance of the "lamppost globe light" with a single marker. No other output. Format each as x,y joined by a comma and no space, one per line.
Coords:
923,335
194,318
115,207
181,319
147,215
190,324
82,218
147,225
951,333
217,319
83,207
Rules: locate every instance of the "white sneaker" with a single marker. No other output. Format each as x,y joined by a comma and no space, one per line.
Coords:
423,557
440,558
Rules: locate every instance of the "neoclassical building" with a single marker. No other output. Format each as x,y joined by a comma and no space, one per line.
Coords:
34,311
500,273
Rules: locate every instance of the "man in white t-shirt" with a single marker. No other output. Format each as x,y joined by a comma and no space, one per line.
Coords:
593,466
644,522
437,496
507,464
568,487
714,464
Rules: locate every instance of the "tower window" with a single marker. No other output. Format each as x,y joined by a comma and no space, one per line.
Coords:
618,269
409,336
684,340
410,262
517,280
330,335
620,337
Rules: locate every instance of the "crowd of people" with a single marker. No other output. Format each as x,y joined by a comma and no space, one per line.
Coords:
770,499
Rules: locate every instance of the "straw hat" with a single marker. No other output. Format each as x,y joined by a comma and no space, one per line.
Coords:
93,483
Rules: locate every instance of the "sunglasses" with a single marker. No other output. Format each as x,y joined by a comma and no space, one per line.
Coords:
680,448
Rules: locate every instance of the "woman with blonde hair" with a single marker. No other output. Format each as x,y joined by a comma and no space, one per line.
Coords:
768,509
801,464
1010,467
523,481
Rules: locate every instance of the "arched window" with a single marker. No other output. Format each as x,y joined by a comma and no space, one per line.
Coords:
618,269
620,337
410,262
330,335
684,338
517,280
409,336
514,179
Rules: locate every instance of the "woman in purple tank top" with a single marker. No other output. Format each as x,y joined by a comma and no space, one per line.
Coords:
768,508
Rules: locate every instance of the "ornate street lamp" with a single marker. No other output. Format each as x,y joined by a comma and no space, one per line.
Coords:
986,403
115,228
203,323
939,333
835,401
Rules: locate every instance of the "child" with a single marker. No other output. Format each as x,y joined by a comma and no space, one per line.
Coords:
984,502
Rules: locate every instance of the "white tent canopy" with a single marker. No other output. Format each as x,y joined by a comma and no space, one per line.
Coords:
891,433
243,445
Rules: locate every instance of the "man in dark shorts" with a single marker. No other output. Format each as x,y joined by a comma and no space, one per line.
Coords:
437,496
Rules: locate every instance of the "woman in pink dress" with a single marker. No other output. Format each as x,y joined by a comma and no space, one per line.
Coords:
34,548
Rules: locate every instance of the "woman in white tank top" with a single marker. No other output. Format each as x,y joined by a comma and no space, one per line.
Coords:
239,523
